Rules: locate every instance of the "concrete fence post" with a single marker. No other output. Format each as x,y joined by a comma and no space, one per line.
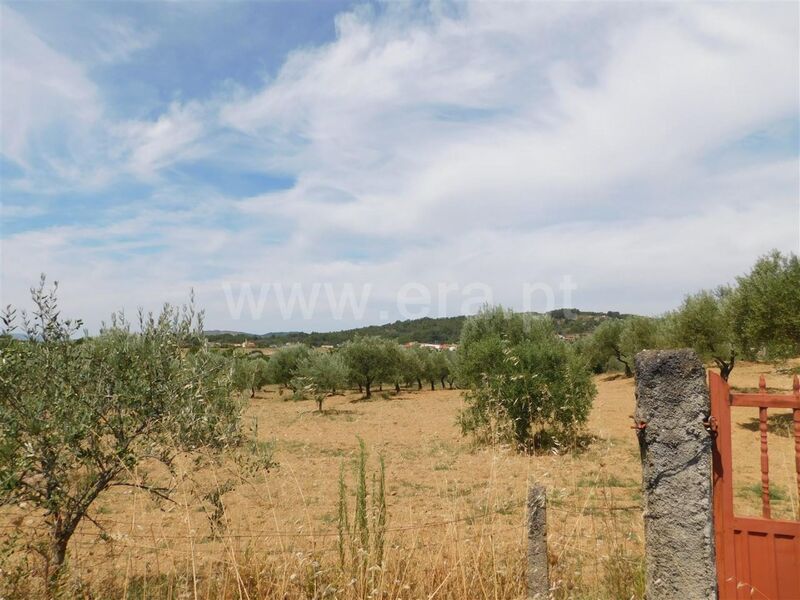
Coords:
672,403
538,579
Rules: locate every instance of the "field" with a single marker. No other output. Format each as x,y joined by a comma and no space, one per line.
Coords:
455,525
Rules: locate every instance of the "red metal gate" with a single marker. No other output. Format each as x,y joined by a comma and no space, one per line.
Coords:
757,557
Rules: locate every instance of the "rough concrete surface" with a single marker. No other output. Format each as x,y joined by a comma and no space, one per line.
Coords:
672,400
538,579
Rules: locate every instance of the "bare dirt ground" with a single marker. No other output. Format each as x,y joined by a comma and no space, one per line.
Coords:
439,485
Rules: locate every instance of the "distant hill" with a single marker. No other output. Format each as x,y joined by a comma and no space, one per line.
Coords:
439,330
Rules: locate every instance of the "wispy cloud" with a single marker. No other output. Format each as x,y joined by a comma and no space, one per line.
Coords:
174,136
41,90
117,40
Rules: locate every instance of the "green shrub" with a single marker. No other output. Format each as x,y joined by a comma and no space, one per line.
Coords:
537,391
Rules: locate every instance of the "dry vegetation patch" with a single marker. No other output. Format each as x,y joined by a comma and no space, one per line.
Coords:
455,526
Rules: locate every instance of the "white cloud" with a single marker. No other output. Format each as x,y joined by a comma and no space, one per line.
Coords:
173,137
117,40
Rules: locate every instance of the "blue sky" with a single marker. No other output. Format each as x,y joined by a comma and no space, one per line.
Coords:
150,148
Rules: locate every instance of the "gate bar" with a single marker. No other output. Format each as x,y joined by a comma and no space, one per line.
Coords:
762,426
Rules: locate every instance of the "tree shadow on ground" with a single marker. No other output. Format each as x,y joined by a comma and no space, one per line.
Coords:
329,412
780,424
614,377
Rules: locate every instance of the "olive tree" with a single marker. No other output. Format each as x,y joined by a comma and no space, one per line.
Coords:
261,374
397,365
433,366
78,415
243,374
703,323
319,374
369,360
284,363
250,374
441,366
765,307
451,358
404,365
481,343
415,365
621,340
606,344
639,333
429,365
536,392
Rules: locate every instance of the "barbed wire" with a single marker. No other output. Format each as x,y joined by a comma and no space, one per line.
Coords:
299,552
480,519
265,534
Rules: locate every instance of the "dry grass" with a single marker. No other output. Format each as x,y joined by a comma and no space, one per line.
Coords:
455,512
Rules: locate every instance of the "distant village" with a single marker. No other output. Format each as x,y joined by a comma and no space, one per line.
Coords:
251,344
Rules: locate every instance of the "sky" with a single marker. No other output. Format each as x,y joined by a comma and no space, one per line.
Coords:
423,157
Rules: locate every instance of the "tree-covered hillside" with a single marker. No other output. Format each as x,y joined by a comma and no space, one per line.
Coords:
441,330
